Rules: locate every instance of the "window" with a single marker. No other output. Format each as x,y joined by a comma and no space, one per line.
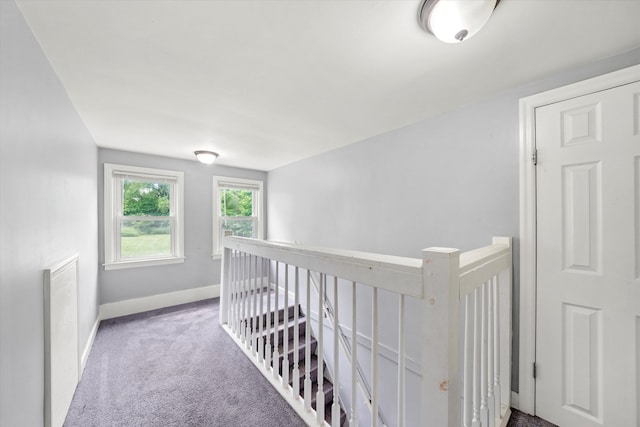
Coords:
238,210
143,216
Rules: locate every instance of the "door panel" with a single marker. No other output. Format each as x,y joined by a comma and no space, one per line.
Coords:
581,206
588,259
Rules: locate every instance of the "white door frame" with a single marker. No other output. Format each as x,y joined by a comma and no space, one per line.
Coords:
526,393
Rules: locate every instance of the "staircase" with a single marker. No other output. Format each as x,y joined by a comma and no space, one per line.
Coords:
287,322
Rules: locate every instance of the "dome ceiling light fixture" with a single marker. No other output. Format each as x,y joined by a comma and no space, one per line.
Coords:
206,157
453,21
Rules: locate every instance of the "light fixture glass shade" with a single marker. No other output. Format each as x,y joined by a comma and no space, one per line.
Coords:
206,157
453,21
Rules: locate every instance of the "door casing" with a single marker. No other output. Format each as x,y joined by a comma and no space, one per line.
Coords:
528,105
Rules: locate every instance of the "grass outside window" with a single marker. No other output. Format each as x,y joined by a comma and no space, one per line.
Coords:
145,245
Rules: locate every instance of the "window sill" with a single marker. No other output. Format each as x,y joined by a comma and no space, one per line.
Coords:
119,265
216,257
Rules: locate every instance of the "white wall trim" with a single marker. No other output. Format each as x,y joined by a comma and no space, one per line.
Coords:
387,352
139,305
528,105
89,345
515,400
364,341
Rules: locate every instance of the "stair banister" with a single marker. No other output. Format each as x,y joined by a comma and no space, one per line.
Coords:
465,365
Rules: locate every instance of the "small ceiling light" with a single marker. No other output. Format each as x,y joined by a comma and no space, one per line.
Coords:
453,21
206,157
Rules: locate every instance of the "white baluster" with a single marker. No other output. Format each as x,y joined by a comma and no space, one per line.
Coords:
236,291
247,301
232,292
353,421
320,394
243,301
307,349
335,408
296,336
276,338
240,327
496,345
261,316
285,339
491,356
239,295
484,360
374,359
467,403
475,422
401,362
254,306
267,347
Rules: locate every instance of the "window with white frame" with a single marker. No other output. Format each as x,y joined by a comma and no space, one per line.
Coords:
143,216
238,210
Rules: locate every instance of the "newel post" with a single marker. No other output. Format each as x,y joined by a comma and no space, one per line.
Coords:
441,404
225,286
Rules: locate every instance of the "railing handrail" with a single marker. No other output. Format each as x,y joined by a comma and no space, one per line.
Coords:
472,259
479,265
395,274
401,275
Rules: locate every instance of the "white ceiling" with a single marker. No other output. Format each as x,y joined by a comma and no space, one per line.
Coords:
269,82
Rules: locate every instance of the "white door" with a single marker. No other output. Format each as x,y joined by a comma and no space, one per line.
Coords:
588,259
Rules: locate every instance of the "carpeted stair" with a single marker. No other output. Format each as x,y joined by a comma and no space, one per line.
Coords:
327,386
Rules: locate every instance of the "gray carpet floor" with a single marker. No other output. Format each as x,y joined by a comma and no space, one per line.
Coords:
520,419
177,367
173,367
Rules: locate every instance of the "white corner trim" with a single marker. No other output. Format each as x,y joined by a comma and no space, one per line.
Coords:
528,105
89,345
139,305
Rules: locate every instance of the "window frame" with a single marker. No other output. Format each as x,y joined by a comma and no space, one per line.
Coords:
257,208
113,178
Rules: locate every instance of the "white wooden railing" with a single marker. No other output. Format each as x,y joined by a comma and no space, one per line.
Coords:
466,325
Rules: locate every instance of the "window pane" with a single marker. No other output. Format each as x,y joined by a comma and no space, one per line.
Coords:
144,238
236,202
143,198
238,227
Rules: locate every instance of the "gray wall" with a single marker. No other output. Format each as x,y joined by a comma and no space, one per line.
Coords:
198,269
451,180
48,211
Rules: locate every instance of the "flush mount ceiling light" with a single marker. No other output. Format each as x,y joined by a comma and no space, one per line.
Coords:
453,21
206,157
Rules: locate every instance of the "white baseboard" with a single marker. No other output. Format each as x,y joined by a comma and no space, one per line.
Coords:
89,345
505,418
515,400
139,305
